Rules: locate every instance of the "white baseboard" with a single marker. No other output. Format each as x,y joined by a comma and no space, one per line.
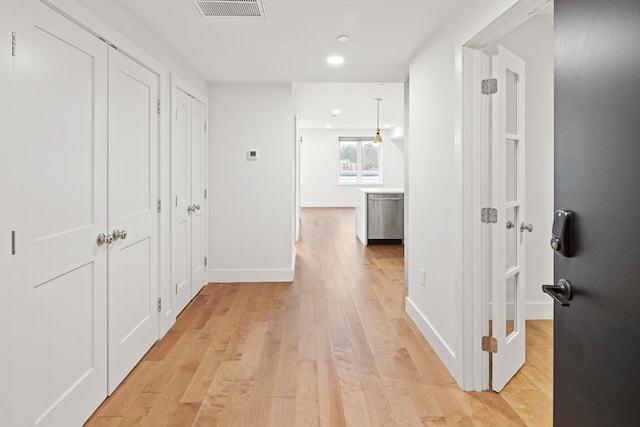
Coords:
539,310
328,205
444,352
257,275
244,276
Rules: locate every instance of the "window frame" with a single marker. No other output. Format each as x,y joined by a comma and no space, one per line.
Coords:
359,140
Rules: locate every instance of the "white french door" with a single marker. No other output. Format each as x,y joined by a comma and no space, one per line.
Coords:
188,173
132,221
508,234
53,205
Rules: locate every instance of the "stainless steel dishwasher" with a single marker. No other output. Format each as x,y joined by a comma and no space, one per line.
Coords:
385,216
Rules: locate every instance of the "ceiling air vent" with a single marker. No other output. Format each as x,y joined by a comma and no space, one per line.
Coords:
230,8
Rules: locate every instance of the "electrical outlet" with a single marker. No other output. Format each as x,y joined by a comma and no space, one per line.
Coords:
423,277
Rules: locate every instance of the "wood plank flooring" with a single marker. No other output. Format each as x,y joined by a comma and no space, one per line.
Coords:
333,348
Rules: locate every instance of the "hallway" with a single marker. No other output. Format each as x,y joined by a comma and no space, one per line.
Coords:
333,348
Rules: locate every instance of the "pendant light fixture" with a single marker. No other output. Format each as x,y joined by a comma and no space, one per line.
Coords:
378,138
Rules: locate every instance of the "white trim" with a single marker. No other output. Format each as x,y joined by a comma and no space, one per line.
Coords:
442,349
177,83
474,369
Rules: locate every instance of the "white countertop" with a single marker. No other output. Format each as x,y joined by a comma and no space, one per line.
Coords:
381,190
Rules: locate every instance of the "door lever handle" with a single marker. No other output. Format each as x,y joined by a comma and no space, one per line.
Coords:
528,227
561,292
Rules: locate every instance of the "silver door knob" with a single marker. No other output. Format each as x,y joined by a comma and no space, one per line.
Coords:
109,239
101,240
123,234
510,225
116,234
528,227
196,207
190,208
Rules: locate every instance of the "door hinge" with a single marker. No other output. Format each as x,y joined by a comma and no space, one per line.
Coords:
489,86
489,344
158,106
205,126
489,215
205,193
159,304
13,43
205,261
13,242
159,205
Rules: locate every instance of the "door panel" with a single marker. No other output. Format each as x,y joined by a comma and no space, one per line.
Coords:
189,232
133,189
198,182
181,201
597,172
507,192
54,192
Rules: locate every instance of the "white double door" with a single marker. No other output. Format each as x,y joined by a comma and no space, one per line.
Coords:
188,207
78,159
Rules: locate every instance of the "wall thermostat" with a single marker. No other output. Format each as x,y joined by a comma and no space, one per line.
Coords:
252,155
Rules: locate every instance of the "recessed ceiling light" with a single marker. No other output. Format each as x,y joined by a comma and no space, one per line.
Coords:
335,112
335,60
328,126
343,38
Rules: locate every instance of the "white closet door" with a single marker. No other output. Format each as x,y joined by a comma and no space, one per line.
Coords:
53,193
133,194
181,201
198,202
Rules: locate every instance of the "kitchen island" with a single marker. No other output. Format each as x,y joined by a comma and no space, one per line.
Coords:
380,214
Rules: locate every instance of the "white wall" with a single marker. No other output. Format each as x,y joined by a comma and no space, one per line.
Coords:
320,167
533,42
119,19
252,212
432,196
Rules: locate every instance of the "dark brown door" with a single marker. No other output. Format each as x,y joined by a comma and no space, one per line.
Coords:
597,177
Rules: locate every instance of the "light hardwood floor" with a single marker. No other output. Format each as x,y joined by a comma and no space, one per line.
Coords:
333,348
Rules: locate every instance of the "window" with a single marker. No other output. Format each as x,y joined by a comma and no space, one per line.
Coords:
360,161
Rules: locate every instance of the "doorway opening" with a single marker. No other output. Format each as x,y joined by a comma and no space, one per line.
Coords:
526,30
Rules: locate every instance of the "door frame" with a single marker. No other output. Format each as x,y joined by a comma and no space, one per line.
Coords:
472,309
178,84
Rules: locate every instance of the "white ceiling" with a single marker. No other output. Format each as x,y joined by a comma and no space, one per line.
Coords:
316,102
292,43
